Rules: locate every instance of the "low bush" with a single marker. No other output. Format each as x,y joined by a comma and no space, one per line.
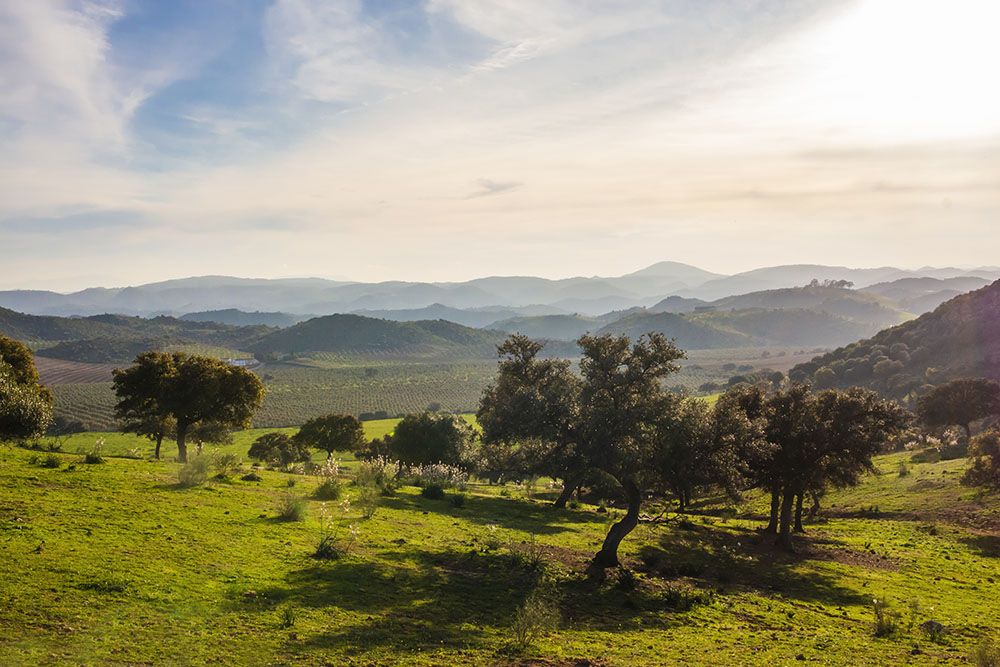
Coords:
226,464
251,477
986,653
51,461
537,616
329,489
369,498
886,619
432,491
292,509
194,472
458,500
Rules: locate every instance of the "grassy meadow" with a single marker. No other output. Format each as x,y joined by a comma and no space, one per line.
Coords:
116,564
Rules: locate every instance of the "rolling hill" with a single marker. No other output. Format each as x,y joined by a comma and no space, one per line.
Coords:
354,334
241,318
960,338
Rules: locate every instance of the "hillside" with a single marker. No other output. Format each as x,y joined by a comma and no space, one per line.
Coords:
241,318
100,560
961,338
558,327
688,334
354,334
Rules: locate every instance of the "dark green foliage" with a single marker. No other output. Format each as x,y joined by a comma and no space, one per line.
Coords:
278,449
25,405
430,438
984,460
332,433
960,403
329,489
188,389
433,492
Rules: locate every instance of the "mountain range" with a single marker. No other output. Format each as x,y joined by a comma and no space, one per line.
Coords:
585,295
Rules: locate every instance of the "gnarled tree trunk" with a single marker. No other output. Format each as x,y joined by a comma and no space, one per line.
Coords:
182,452
814,508
570,485
784,539
798,514
159,441
608,555
772,524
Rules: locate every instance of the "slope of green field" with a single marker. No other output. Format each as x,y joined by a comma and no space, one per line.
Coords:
115,564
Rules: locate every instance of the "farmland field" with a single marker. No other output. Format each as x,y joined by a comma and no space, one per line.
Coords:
102,562
326,383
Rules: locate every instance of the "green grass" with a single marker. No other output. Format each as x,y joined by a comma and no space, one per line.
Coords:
115,564
126,444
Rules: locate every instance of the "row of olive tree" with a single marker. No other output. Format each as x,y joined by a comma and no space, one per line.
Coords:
617,420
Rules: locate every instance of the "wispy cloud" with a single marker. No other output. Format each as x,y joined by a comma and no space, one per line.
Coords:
309,128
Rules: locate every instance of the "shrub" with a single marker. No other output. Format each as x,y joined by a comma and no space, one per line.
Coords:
251,477
194,472
369,498
681,596
292,509
226,463
904,470
94,456
440,474
527,555
329,489
433,491
533,619
380,472
986,653
51,461
886,619
458,500
287,617
330,546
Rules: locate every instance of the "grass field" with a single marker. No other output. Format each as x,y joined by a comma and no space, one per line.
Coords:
115,564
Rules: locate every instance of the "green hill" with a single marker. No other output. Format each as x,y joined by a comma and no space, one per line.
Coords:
961,338
355,334
687,333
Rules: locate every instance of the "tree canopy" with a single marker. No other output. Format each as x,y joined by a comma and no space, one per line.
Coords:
188,389
420,439
332,433
960,403
25,405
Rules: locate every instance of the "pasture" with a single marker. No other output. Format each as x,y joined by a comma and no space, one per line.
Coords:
115,563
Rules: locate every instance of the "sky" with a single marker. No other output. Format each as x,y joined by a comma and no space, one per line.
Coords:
439,140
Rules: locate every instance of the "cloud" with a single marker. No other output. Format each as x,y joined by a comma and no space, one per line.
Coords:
489,187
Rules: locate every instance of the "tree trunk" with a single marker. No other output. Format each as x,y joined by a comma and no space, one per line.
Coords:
784,539
182,452
772,524
569,486
814,508
798,514
159,441
608,555
968,432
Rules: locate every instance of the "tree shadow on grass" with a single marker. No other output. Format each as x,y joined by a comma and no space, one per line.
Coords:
410,601
745,559
986,545
541,519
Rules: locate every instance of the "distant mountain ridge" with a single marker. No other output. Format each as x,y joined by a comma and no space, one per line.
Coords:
589,296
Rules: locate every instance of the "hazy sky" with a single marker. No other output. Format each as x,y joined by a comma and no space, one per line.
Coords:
448,139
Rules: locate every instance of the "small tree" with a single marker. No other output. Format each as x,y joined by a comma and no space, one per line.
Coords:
188,389
431,438
25,405
960,403
527,416
332,433
984,460
278,449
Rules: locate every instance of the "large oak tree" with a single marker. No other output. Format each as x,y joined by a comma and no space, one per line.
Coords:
188,389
